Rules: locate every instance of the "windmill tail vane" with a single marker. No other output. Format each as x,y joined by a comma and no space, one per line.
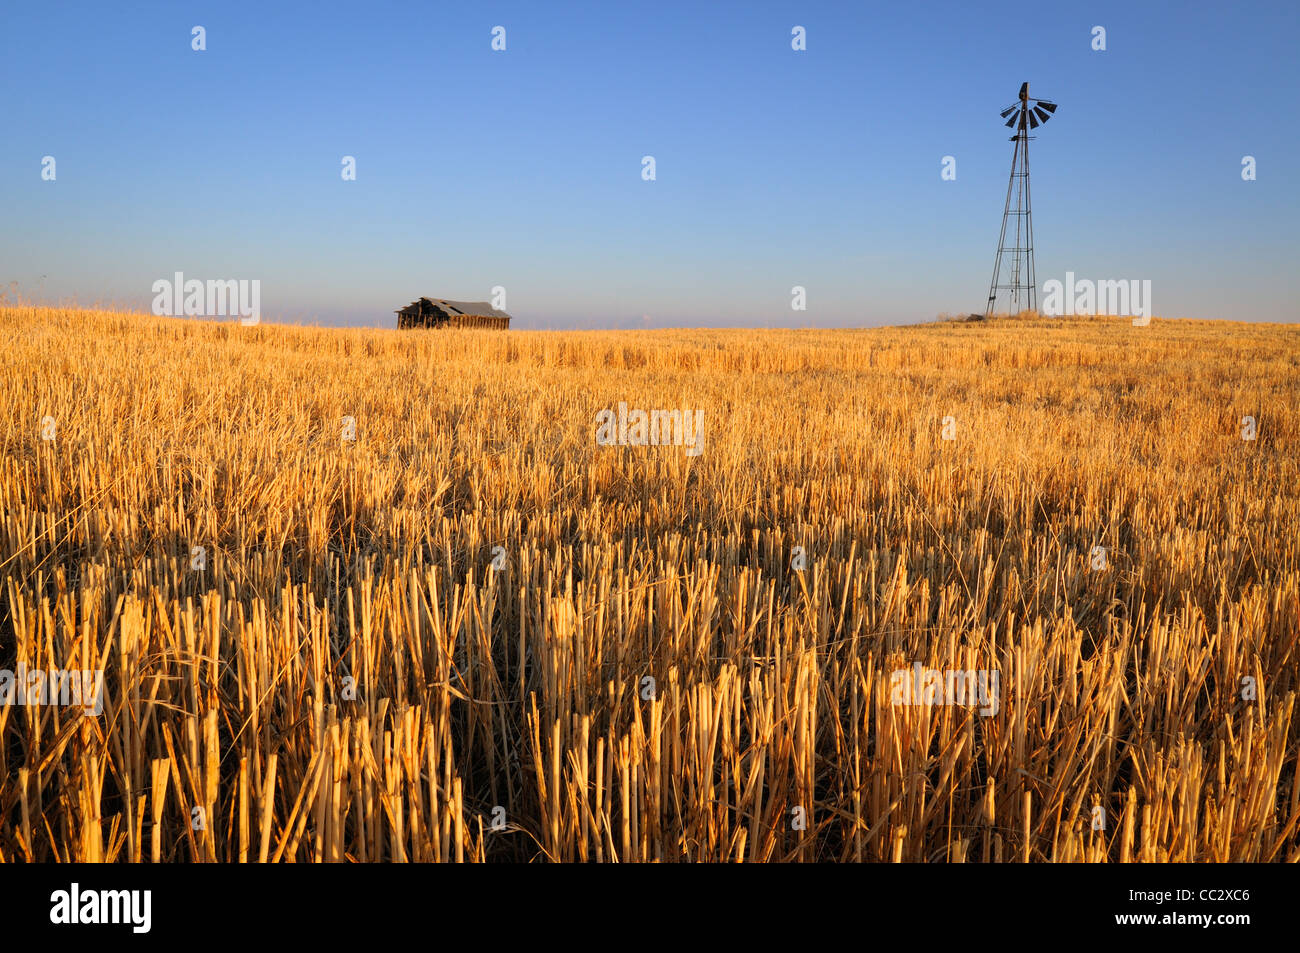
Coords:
1013,267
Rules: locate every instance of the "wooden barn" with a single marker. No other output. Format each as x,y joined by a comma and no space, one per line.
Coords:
440,313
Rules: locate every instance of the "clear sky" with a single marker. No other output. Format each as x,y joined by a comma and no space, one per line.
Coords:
522,168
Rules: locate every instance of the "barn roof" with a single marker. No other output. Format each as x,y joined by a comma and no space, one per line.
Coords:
459,307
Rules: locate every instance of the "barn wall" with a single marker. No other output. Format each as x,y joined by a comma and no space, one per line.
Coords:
440,319
477,321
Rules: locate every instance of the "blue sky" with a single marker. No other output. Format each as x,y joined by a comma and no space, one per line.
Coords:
522,168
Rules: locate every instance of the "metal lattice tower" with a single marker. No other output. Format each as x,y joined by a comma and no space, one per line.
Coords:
1014,263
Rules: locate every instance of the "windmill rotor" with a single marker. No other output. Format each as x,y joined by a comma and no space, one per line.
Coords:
1035,111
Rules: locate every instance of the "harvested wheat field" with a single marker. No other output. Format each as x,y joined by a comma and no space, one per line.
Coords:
361,595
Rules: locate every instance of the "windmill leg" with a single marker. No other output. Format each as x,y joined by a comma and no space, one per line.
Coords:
1002,235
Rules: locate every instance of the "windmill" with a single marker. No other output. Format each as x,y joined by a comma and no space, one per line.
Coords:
1014,263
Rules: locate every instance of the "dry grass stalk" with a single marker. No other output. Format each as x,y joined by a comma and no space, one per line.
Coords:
348,679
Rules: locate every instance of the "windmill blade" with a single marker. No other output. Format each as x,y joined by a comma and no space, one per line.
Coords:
1033,122
1042,116
1050,107
1008,111
1012,121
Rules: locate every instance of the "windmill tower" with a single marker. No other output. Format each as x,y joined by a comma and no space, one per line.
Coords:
1013,268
